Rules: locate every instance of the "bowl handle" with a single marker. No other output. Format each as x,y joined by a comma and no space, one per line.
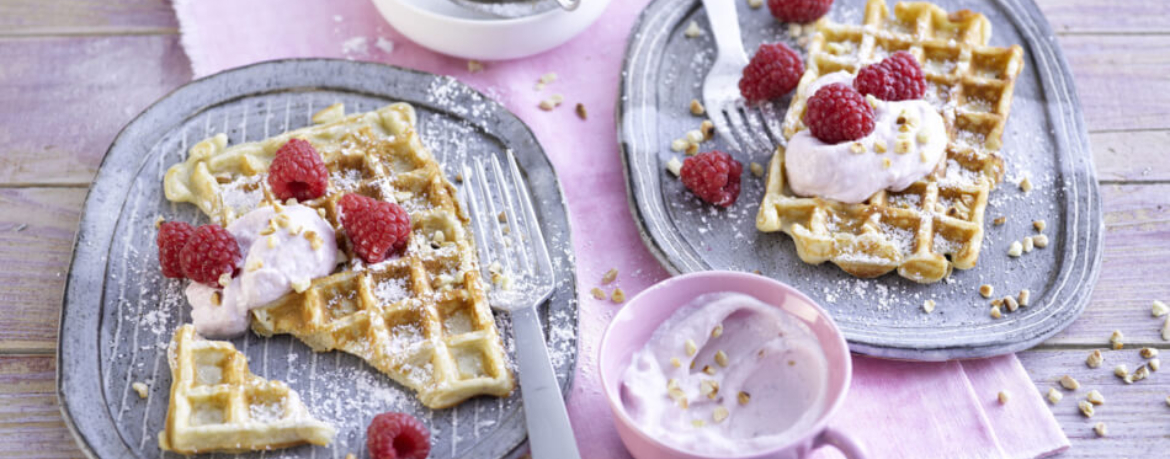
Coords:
844,443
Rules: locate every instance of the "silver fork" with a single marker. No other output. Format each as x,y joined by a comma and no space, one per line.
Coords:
734,119
520,253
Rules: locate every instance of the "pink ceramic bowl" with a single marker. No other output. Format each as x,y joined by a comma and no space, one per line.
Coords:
638,319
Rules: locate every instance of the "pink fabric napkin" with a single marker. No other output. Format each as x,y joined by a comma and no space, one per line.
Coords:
900,409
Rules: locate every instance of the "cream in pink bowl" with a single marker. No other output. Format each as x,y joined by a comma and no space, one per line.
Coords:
727,374
786,408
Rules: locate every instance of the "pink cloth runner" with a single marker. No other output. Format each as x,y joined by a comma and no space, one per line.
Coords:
900,409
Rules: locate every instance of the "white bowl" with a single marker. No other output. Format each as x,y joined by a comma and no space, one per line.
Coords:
446,28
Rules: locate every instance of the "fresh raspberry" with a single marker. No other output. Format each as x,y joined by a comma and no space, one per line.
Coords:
172,237
838,113
377,228
397,436
298,172
211,252
897,77
799,10
773,72
713,176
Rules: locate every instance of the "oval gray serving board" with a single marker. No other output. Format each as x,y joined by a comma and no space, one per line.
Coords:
119,313
1045,139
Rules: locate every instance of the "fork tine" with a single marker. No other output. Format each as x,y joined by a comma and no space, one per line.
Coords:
501,253
719,119
519,245
759,134
535,235
772,122
471,196
737,124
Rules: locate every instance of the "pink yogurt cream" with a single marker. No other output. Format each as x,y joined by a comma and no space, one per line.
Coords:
771,357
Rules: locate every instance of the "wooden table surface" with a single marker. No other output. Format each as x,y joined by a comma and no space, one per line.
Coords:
73,72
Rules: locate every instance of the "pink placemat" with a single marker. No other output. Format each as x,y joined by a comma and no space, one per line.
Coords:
900,409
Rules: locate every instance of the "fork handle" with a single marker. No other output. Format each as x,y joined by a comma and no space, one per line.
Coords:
550,436
725,26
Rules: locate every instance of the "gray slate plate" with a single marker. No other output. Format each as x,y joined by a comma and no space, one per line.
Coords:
119,313
1045,139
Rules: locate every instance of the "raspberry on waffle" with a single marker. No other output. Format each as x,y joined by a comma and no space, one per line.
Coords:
420,316
936,224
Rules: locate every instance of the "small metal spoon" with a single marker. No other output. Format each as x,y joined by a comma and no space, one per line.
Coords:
511,9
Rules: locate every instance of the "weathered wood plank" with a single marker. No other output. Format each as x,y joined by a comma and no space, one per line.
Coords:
1106,16
73,17
65,99
1137,243
1135,415
1131,156
37,226
30,420
1121,80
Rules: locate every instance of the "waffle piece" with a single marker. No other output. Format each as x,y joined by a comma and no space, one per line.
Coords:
423,318
217,405
936,224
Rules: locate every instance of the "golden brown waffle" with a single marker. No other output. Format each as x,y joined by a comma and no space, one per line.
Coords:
423,318
217,405
936,223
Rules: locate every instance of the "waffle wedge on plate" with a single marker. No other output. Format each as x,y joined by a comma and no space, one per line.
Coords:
423,318
218,405
937,223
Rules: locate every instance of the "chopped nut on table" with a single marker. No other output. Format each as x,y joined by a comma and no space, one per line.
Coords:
1155,364
1024,297
581,113
1004,396
1039,225
474,66
1099,428
1086,408
609,276
598,293
1141,373
1070,383
999,221
928,306
755,3
1159,309
1095,397
1054,395
1166,330
1095,359
619,296
1040,241
693,30
745,397
995,313
674,166
1121,370
1115,340
1149,352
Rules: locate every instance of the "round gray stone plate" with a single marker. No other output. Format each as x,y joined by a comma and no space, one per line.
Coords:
1045,140
119,312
